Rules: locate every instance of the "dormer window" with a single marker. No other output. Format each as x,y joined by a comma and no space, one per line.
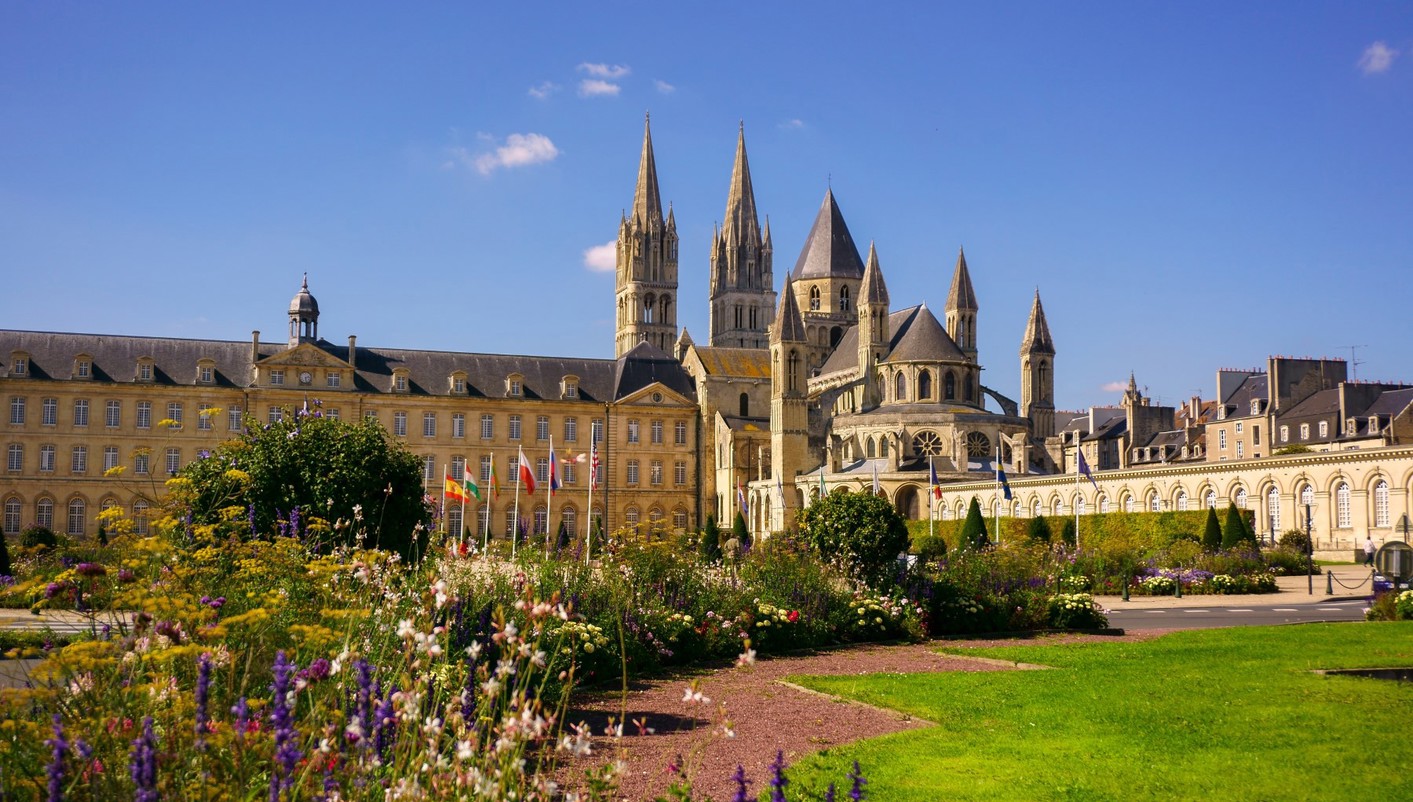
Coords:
458,383
1324,428
569,387
206,371
19,364
400,380
1351,426
1222,412
1255,406
1373,424
83,367
515,385
144,369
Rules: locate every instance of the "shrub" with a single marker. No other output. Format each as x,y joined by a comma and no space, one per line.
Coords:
1076,611
862,530
974,528
1068,534
1212,531
929,548
5,568
1295,540
739,532
711,541
1235,532
39,537
1038,530
1285,562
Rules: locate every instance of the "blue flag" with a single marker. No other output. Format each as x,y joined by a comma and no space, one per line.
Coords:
1084,469
1005,486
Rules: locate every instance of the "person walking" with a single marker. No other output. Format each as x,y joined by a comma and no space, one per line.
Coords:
1369,550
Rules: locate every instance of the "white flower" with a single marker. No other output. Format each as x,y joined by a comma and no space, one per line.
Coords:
692,695
405,630
746,658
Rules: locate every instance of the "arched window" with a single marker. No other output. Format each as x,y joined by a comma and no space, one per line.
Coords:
870,449
1241,498
745,405
1273,510
949,386
924,386
12,516
655,518
967,393
792,369
1381,503
814,298
1104,505
1342,516
1081,506
569,519
679,518
139,516
77,513
1211,499
630,516
1042,375
900,388
1307,496
1035,509
44,513
1056,507
1128,503
883,446
649,302
844,299
510,523
541,520
1182,501
1155,504
453,521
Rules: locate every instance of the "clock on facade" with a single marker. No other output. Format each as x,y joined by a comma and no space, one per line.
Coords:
305,377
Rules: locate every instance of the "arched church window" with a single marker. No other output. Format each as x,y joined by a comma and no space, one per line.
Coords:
835,335
949,386
924,386
883,446
665,306
900,388
792,369
871,449
1042,374
843,299
649,304
745,405
814,298
967,393
927,444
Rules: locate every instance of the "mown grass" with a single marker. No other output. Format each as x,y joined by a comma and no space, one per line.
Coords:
1210,714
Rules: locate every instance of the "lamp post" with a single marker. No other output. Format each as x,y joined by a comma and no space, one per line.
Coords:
1309,550
1403,524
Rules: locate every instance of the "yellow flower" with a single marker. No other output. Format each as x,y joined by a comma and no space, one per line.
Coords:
116,470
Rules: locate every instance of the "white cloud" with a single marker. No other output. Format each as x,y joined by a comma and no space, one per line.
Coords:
610,71
519,150
602,258
664,87
543,89
1115,387
793,124
1378,57
592,87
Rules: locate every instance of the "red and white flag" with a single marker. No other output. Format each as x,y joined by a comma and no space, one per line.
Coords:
527,474
594,466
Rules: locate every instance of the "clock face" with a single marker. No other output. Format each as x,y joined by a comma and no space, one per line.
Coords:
305,378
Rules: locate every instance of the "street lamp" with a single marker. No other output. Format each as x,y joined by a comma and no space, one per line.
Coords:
1309,549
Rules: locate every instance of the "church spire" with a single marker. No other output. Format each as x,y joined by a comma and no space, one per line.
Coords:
789,325
647,201
873,289
742,283
961,308
1037,331
741,225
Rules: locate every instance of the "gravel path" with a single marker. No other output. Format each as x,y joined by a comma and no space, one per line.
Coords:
764,714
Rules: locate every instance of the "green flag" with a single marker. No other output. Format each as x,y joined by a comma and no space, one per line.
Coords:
469,483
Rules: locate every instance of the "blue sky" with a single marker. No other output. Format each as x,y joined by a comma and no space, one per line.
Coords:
1190,186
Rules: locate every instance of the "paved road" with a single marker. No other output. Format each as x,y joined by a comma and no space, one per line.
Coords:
1197,616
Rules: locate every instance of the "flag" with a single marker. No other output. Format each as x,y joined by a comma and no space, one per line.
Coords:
554,482
875,478
780,488
527,474
495,484
741,499
453,490
469,482
823,491
932,477
1084,469
594,466
1001,477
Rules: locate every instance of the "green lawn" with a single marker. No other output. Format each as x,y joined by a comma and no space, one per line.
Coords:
1223,714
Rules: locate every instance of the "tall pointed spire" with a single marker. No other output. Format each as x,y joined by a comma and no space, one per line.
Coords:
789,325
741,224
873,289
647,201
961,308
961,296
741,280
829,249
1037,331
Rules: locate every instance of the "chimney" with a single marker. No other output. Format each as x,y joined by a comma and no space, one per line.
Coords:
254,347
351,341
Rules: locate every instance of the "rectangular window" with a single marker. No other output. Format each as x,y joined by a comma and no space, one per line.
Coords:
514,427
486,470
542,428
174,460
458,424
570,474
21,366
571,390
113,414
333,414
1285,434
1255,435
429,467
488,427
679,433
1324,428
233,419
512,469
16,458
110,458
203,420
596,430
174,412
78,462
17,410
656,472
276,414
400,383
542,470
144,414
207,374
571,430
144,372
1238,427
49,414
80,411
400,424
1222,439
679,473
83,369
46,459
1239,449
429,424
657,432
277,377
458,467
333,379
632,431
458,385
632,472
140,462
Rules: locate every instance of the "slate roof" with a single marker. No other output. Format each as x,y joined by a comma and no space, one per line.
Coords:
1238,404
1322,402
751,363
1391,402
1037,331
961,295
919,337
873,289
789,327
645,364
51,356
829,249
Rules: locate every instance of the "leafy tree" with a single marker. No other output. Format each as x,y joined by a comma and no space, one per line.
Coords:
1235,531
738,531
39,536
974,528
313,472
862,529
5,568
1068,534
1038,530
1295,540
711,541
1212,533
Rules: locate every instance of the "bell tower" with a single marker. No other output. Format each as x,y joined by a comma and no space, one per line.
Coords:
789,414
303,316
742,283
961,309
1037,355
646,279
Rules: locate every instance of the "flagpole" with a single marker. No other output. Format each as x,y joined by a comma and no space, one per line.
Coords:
549,496
461,529
486,513
444,475
1077,457
589,508
997,499
515,526
931,501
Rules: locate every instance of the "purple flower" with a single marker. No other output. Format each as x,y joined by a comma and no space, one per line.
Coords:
856,777
241,711
126,575
384,719
317,670
250,514
142,766
287,752
363,701
742,795
203,694
90,570
56,762
294,522
829,793
777,777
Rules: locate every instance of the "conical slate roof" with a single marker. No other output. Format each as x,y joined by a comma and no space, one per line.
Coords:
919,337
741,222
789,325
647,202
873,289
829,249
961,296
1037,331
